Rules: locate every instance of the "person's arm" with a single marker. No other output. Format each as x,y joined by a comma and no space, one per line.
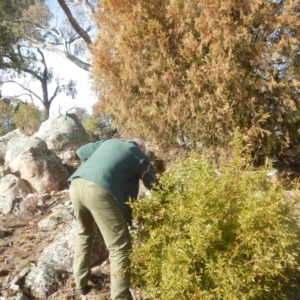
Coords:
87,150
147,174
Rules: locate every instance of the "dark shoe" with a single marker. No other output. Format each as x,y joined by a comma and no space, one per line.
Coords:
84,291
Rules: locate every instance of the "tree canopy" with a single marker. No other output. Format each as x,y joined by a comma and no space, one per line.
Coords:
201,68
26,22
8,34
69,36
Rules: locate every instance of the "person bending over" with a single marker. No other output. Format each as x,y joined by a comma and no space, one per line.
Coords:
99,190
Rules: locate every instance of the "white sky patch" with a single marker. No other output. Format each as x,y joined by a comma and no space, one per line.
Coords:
67,70
62,103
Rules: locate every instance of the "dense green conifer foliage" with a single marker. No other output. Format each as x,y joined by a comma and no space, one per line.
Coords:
222,234
202,68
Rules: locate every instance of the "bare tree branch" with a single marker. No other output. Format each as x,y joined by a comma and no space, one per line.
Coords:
88,9
70,109
74,23
66,54
44,82
26,89
58,42
33,73
55,32
22,94
54,94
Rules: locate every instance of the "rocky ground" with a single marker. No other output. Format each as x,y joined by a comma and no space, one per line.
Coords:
21,243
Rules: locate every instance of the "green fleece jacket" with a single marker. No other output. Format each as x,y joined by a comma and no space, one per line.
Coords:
117,166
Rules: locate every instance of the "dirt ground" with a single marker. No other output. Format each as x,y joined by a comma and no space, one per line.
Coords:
21,245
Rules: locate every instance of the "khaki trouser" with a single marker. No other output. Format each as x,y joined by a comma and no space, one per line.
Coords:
91,202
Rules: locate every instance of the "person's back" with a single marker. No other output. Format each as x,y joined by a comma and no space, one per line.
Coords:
117,166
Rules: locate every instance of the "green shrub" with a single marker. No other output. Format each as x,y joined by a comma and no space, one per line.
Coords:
27,116
91,124
216,234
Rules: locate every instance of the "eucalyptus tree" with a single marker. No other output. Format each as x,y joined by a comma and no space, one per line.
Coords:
36,69
203,68
29,64
68,34
9,35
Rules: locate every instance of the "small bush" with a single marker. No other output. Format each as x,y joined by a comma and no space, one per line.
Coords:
27,116
216,234
91,124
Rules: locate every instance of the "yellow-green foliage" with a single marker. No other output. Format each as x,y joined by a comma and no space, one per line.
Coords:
27,116
91,124
200,67
227,234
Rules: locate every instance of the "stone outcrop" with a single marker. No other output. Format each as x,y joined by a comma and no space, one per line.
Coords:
29,158
59,254
62,132
4,140
42,281
11,187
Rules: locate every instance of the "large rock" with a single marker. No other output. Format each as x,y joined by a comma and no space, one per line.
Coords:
42,281
4,140
59,254
11,187
32,161
63,132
